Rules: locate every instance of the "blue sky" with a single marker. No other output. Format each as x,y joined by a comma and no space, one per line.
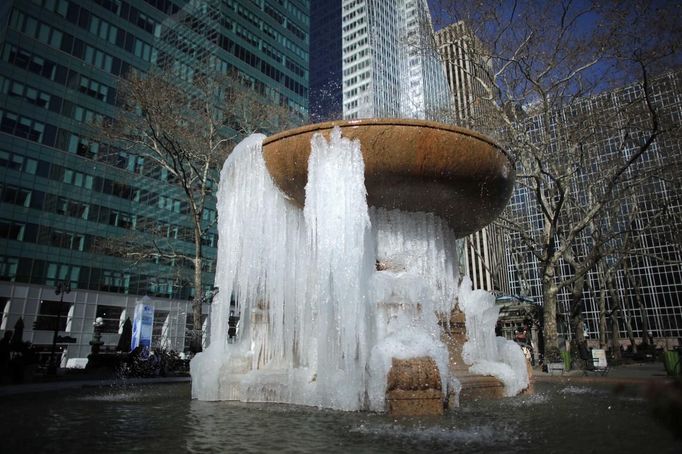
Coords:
439,17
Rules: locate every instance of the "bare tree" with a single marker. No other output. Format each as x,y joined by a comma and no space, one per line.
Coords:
547,68
184,132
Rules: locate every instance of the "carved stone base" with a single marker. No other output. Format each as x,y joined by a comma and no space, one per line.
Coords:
414,385
475,387
414,388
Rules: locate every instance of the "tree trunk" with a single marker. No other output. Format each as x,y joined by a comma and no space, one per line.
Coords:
197,334
578,343
601,304
634,285
618,304
549,294
603,340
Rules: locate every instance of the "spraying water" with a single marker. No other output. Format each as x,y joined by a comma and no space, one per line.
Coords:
327,295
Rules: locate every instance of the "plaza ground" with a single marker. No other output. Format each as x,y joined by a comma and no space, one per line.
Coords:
638,373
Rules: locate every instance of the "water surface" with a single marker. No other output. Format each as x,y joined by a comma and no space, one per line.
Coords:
163,419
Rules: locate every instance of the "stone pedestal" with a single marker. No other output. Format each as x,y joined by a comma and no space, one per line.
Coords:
414,388
475,387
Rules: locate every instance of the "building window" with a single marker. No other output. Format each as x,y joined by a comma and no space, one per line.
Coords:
114,281
4,310
62,272
8,268
47,315
111,317
161,328
12,230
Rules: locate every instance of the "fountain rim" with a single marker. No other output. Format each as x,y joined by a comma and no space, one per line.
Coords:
327,125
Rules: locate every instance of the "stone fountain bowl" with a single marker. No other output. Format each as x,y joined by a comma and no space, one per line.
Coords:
411,165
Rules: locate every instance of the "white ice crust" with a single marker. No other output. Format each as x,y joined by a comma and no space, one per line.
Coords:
319,324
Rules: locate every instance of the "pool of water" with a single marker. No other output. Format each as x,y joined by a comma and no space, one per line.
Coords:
163,419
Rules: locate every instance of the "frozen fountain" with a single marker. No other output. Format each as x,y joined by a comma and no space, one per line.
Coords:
338,255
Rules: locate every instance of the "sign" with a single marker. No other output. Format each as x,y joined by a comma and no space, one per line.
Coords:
142,328
599,358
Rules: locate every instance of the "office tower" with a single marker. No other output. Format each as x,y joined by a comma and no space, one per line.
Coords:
388,68
483,259
467,70
648,282
62,190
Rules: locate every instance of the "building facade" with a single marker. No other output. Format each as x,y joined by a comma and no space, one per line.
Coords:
643,262
388,69
468,70
62,189
483,259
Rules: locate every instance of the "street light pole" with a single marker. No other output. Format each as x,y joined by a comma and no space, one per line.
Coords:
62,288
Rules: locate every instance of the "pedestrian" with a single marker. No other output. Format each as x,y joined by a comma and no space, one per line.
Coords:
5,354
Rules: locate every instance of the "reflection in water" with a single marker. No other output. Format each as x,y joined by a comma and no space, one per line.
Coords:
205,431
163,419
480,436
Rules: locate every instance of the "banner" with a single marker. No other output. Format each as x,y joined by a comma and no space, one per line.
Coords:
142,328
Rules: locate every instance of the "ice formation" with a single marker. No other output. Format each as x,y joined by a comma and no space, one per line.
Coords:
327,295
485,353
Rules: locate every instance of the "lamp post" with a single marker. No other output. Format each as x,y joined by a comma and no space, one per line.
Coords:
62,288
96,342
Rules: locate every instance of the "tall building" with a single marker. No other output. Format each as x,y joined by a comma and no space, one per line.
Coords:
388,70
648,282
61,190
467,69
483,259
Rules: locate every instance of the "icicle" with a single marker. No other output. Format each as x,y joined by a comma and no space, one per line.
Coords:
338,224
485,353
318,324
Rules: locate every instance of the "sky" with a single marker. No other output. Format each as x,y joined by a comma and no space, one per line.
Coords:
439,16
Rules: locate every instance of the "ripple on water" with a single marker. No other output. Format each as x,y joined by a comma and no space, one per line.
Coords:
526,401
163,419
479,435
114,397
582,390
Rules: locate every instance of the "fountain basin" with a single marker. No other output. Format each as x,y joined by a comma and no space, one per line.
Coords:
161,418
411,165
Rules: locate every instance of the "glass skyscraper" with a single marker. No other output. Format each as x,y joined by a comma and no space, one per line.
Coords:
647,298
62,190
371,59
387,70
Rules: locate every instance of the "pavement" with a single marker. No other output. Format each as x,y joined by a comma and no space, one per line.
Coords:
628,373
70,383
639,373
